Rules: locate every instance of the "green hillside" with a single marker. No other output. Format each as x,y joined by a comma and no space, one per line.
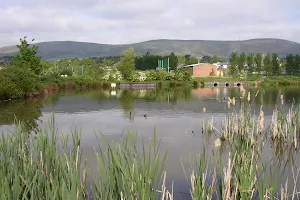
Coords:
66,49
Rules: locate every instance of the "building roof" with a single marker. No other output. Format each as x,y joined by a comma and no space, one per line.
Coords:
200,65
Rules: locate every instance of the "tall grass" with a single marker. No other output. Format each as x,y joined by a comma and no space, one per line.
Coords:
48,166
36,167
245,175
125,173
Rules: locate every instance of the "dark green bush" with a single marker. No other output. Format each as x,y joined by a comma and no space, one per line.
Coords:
15,82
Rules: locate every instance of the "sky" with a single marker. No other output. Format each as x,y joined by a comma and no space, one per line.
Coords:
130,21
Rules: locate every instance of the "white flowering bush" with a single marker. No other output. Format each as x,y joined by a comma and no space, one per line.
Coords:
112,75
161,74
150,75
106,76
135,76
142,76
118,75
179,74
242,75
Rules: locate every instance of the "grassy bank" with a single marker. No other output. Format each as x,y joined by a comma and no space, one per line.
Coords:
281,81
19,83
200,81
47,166
267,81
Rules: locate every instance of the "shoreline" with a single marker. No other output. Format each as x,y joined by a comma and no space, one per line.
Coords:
49,88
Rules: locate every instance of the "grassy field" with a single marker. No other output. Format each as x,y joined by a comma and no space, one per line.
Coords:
281,81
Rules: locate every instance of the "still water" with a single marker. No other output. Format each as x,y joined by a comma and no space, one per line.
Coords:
177,116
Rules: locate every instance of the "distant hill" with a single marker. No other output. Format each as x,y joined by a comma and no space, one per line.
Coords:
67,49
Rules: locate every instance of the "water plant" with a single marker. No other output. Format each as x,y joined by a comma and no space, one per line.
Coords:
46,165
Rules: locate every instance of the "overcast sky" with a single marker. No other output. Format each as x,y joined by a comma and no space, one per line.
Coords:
128,21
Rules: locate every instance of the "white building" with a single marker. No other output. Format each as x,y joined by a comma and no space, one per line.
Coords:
223,65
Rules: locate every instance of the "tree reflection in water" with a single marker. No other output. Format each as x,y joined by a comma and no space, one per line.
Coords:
26,112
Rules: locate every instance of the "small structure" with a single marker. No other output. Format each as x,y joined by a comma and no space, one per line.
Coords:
223,65
113,93
138,86
203,69
113,85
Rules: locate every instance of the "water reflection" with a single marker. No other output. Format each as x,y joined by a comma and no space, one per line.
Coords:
27,112
176,101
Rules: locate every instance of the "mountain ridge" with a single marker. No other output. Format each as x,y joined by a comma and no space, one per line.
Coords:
222,48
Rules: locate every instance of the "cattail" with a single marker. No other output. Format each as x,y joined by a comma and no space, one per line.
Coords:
249,97
122,198
193,178
295,138
242,90
218,143
275,124
261,121
229,102
204,110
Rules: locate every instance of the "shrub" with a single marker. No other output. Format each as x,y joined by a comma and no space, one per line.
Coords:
161,74
150,75
182,75
15,82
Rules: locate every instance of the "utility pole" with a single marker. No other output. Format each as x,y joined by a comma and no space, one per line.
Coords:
168,64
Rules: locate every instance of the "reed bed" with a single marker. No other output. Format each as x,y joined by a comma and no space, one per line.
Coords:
48,166
245,175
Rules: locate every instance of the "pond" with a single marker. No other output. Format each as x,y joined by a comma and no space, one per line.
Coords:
176,116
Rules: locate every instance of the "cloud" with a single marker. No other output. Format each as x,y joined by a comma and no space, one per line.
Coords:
119,21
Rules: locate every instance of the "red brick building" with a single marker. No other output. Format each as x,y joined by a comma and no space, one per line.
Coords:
204,69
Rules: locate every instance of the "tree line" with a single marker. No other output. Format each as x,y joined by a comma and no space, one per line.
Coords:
292,63
147,61
265,64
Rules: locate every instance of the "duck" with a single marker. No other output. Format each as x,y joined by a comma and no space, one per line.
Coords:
131,118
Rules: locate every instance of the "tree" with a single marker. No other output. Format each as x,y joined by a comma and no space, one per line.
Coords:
250,63
205,59
173,61
233,71
187,57
27,58
108,62
290,64
268,64
47,67
275,64
181,59
127,63
297,64
191,60
242,61
215,59
258,62
147,62
87,62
